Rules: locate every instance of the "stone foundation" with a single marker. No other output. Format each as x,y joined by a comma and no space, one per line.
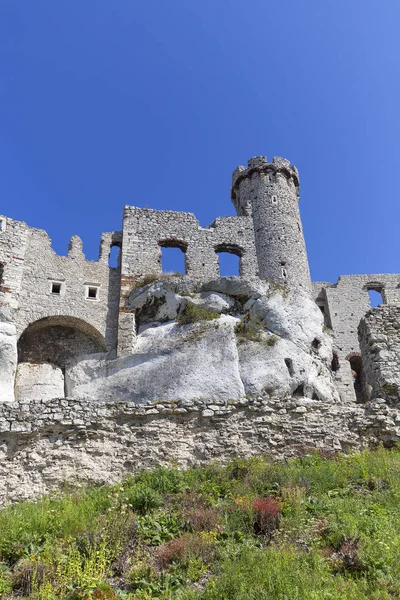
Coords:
45,444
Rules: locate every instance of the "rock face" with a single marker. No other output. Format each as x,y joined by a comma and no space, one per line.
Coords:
8,356
43,381
231,367
258,341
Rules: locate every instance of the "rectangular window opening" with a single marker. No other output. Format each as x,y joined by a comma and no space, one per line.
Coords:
92,292
56,288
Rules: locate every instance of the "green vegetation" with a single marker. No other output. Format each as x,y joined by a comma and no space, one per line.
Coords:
320,527
193,314
252,328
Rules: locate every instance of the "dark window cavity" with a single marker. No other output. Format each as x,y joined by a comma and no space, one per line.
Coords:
289,365
92,292
56,288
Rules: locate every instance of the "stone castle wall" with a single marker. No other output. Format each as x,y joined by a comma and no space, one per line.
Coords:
78,335
45,444
379,333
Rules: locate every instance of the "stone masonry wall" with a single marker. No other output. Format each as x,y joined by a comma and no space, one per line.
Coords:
344,304
146,231
44,444
379,333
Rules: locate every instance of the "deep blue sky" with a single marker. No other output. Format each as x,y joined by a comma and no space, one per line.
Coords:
154,103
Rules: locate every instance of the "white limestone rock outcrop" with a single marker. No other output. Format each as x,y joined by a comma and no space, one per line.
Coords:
290,355
8,355
44,381
170,362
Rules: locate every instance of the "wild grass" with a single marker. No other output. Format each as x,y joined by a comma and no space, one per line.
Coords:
319,527
194,314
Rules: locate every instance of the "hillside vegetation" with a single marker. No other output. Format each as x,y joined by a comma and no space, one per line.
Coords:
319,527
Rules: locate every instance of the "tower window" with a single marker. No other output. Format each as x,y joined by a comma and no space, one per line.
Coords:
284,273
274,199
56,288
92,292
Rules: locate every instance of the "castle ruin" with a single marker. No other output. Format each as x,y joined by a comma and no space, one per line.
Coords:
93,343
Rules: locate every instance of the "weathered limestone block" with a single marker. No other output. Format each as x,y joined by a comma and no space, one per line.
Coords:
8,354
8,360
169,362
39,381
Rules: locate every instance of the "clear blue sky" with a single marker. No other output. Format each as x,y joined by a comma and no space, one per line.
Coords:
154,103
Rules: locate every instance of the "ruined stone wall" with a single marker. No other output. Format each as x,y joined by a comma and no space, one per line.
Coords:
42,267
146,231
379,333
13,239
343,305
30,267
44,444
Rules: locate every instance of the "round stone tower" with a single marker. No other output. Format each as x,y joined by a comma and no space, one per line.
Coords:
269,192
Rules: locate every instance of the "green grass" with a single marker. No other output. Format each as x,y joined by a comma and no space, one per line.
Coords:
194,314
319,527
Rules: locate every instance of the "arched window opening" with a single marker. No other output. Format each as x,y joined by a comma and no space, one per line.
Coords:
229,264
114,259
173,259
357,371
229,259
375,292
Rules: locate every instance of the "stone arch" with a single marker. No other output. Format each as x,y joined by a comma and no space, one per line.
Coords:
55,331
358,374
47,348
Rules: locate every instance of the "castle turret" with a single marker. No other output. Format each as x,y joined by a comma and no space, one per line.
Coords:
269,193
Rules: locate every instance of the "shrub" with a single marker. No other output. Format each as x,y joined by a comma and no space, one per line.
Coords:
193,314
99,592
185,547
250,328
155,530
5,580
143,499
28,575
266,515
202,519
166,481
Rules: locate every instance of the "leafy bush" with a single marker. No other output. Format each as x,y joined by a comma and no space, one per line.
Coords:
165,481
184,547
252,328
142,498
193,314
155,530
266,515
